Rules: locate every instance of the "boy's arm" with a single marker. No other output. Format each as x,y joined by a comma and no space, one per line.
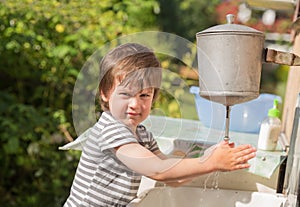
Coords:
224,158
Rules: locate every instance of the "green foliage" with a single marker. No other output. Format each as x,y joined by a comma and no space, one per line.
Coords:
186,18
175,99
44,44
32,171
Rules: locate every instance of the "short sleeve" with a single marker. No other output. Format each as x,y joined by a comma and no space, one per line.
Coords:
114,135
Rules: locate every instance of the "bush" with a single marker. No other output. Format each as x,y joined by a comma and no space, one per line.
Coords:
44,44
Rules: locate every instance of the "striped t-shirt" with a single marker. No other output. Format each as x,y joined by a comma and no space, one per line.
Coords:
101,179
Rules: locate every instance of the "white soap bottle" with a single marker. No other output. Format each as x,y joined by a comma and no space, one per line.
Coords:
270,129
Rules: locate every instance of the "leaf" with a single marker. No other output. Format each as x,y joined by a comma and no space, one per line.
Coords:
11,147
63,50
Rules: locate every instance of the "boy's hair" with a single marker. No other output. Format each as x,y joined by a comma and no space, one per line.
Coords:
134,65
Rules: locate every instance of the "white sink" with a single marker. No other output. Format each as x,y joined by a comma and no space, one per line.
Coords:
199,197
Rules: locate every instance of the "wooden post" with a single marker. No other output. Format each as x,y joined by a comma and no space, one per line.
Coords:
293,86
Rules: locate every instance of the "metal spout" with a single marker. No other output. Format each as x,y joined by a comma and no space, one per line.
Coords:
226,137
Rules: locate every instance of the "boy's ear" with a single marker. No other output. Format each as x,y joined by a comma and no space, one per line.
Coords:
103,96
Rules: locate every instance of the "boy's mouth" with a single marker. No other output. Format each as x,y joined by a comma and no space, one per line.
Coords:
133,113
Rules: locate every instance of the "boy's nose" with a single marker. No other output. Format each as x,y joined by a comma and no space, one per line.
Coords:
133,102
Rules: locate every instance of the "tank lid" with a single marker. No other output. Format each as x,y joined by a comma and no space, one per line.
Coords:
230,27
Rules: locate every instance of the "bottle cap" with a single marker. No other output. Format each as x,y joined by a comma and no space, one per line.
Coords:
274,112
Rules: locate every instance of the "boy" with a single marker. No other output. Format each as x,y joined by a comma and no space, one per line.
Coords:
119,150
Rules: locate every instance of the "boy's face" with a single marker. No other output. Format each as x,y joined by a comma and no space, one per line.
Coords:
128,106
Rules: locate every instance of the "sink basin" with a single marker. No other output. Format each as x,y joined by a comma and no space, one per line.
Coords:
195,197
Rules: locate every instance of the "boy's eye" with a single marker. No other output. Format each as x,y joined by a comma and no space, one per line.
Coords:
125,94
145,95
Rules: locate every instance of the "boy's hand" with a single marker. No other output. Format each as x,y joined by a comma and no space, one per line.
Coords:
227,157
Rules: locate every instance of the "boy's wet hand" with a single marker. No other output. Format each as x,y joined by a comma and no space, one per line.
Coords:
242,154
228,157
